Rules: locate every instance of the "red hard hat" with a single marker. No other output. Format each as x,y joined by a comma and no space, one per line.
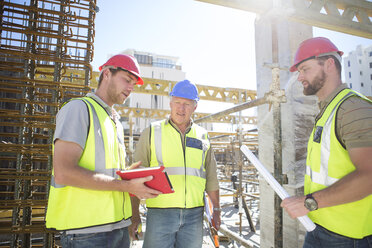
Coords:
126,62
312,48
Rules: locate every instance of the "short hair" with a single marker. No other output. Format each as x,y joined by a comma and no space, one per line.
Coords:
337,62
195,102
113,72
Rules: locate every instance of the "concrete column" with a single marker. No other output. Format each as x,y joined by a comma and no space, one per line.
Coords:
297,120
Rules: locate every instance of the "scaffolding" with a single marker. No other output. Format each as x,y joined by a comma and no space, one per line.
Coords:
45,51
42,43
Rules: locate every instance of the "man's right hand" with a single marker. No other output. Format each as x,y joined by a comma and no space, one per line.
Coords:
138,188
294,206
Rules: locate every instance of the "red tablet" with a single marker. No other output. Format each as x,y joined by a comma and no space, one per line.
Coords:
159,182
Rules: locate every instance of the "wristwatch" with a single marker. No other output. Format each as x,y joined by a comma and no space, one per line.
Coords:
217,209
310,203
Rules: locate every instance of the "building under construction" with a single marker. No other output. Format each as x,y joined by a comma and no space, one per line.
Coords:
46,49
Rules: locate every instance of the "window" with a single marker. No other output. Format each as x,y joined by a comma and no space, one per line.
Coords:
351,86
349,74
371,76
348,63
143,59
362,84
164,63
360,61
370,54
370,65
361,73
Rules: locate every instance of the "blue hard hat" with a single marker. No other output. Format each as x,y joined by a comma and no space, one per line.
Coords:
185,89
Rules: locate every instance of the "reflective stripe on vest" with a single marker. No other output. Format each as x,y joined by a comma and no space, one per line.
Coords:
322,176
157,140
175,170
329,162
74,208
100,163
184,164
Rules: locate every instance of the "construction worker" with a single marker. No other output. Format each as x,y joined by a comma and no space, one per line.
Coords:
338,179
183,148
87,202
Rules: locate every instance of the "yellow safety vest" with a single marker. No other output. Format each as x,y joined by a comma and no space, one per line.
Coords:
185,167
327,162
74,208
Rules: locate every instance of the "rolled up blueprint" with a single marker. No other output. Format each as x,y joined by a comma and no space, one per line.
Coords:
305,221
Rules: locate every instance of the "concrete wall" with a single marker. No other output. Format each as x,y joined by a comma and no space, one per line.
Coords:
297,120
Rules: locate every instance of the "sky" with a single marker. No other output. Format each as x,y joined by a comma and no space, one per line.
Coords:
215,44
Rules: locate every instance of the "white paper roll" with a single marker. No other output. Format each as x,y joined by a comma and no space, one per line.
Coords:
305,221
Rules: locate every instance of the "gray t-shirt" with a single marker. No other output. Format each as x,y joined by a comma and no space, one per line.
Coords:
72,125
354,120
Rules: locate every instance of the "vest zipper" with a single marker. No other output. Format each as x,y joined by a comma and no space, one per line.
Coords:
184,163
184,154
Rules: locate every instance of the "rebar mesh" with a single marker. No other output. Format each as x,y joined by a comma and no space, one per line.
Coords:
46,47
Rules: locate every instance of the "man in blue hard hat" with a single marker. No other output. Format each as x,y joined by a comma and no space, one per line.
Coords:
183,148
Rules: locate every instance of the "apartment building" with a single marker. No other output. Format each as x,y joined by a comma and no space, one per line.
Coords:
358,69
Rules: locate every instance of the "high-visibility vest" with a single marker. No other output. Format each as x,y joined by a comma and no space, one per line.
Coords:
185,167
74,208
327,162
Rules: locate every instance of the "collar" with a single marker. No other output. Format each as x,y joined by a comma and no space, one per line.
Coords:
169,121
110,111
329,98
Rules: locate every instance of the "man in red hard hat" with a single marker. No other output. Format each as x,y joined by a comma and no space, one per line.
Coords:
338,179
183,148
87,204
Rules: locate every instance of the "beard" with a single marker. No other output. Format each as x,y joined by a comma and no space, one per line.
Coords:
115,95
315,85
